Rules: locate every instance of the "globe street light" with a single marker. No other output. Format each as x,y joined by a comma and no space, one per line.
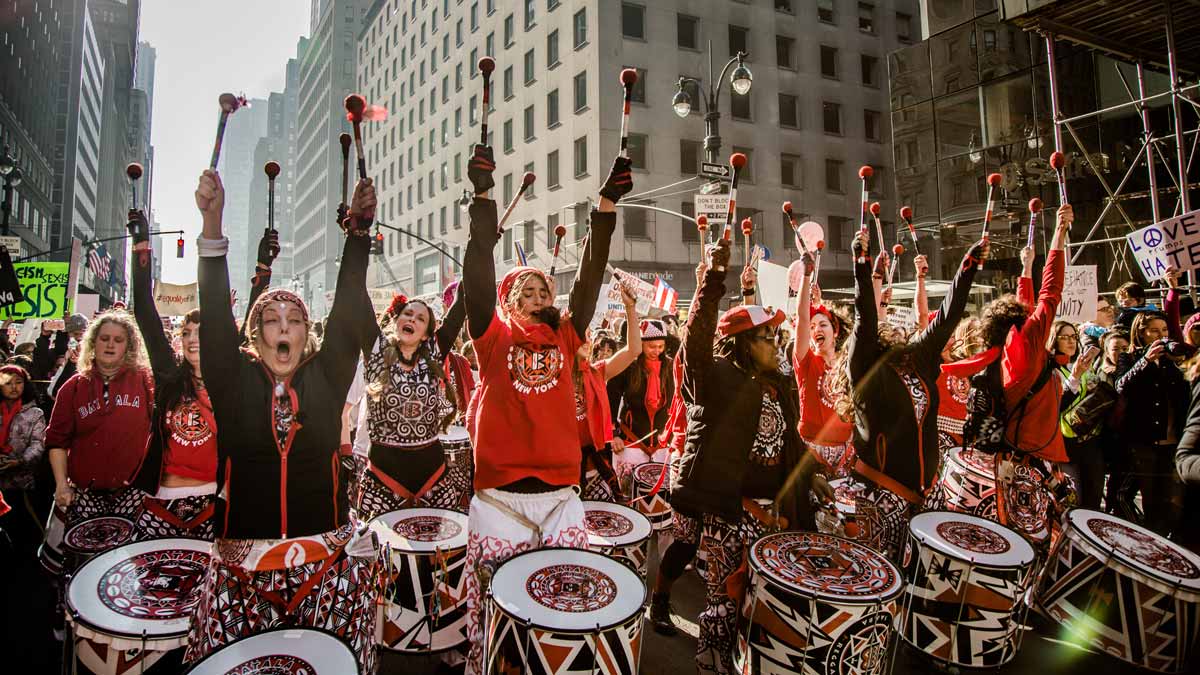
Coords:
741,80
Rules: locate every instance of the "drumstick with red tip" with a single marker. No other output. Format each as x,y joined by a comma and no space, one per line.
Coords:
1058,162
344,139
134,172
897,251
486,65
817,263
526,181
875,209
747,230
560,231
702,226
229,105
906,214
864,173
356,107
993,181
787,211
738,161
1035,207
629,78
272,170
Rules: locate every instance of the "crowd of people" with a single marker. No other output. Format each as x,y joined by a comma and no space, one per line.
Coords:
278,441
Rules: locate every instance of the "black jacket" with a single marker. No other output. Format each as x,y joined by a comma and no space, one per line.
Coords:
627,402
269,494
724,403
1155,397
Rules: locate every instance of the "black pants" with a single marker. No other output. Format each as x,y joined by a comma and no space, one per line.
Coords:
29,597
1152,473
1087,466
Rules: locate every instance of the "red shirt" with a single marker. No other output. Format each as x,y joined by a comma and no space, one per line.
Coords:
819,422
592,412
525,421
952,396
674,435
105,440
191,444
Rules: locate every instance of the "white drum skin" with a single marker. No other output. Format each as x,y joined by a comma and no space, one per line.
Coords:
619,532
283,650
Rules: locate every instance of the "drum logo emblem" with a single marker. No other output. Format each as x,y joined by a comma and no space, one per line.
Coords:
862,648
187,425
427,528
607,524
1145,548
161,585
571,588
534,371
972,537
277,664
99,534
959,387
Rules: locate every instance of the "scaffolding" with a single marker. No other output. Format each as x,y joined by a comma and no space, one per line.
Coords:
1133,31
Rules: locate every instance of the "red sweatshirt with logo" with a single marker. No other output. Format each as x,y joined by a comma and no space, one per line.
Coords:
105,437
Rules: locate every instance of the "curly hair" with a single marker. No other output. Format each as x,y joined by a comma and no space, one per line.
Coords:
392,355
135,348
999,317
967,340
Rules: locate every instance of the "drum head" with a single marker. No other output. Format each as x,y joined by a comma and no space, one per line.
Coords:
610,525
966,537
455,434
567,590
421,530
283,650
646,474
149,586
825,566
978,463
1138,548
98,534
845,494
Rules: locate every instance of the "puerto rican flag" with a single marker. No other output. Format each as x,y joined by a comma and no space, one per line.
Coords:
665,297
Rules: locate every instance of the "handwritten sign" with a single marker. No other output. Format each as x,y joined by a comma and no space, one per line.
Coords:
1175,241
903,317
175,299
642,289
43,290
1079,294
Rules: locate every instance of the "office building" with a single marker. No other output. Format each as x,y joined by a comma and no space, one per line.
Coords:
238,170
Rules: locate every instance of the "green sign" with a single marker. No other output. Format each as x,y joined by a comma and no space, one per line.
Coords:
44,285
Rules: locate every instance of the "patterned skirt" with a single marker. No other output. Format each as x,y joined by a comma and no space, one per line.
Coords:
188,517
379,494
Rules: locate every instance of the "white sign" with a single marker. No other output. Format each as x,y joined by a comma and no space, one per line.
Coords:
175,299
13,244
773,285
714,170
903,317
714,207
642,289
87,304
1079,294
1174,242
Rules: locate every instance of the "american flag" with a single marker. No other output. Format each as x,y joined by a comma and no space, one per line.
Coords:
99,261
665,297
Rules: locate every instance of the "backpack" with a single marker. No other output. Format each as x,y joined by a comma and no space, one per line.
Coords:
1086,415
987,417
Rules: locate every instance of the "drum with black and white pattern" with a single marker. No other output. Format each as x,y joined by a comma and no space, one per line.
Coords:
618,532
460,463
650,490
282,651
968,482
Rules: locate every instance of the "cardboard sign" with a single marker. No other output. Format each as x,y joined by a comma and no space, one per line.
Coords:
1173,242
903,317
1079,294
643,289
773,285
43,290
176,299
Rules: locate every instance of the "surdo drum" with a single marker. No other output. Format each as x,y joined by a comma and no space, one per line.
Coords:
561,610
132,605
460,462
425,553
618,532
817,604
841,519
650,494
282,651
1125,591
967,578
96,535
968,482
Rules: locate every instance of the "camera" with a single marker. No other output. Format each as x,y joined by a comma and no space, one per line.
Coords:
1176,349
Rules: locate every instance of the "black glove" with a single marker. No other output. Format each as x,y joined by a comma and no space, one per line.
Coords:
620,180
809,262
975,256
859,247
139,227
268,247
480,168
720,254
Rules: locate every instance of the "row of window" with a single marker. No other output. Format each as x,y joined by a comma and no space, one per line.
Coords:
687,28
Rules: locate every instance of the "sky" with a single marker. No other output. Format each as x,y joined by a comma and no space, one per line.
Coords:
204,49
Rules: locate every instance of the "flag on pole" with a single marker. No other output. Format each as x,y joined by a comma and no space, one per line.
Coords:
521,253
99,261
665,297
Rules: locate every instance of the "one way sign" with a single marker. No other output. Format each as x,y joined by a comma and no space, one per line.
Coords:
713,170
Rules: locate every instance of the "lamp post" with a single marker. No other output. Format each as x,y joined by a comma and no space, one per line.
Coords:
741,81
12,178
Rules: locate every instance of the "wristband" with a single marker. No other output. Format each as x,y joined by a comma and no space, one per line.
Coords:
212,248
747,292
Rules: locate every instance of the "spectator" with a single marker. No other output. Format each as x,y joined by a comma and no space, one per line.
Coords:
1132,299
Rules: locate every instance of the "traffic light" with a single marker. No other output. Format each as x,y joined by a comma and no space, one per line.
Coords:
179,247
377,243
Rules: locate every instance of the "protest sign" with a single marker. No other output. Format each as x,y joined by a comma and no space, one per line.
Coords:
175,299
772,285
644,291
44,291
1079,294
1173,242
903,317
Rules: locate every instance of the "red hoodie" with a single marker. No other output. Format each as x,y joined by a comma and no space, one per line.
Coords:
105,442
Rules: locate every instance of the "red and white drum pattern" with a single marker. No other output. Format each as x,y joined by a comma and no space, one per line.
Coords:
817,604
285,651
650,494
460,465
1125,591
155,585
967,577
99,534
967,483
184,517
619,533
276,664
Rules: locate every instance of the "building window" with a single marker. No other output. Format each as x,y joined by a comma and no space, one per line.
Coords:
688,232
633,21
552,109
529,230
530,13
870,70
789,115
871,120
551,5
747,174
784,6
580,28
551,224
903,27
688,28
507,248
458,121
831,114
829,62
508,83
790,173
581,158
471,111
638,95
740,105
458,77
529,123
833,176
635,223
739,37
442,221
552,169
508,136
552,50
509,27
507,189
785,48
841,231
825,11
489,44
637,150
581,220
866,17
529,191
689,157
529,66
458,33
581,91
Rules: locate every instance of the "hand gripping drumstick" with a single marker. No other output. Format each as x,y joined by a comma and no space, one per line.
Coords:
356,105
486,65
864,173
1058,162
560,231
272,170
875,208
747,230
344,139
906,215
629,78
1035,206
526,181
134,171
229,105
737,160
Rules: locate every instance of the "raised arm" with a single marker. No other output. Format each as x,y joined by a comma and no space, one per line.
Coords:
219,340
351,311
479,263
162,357
592,262
803,330
451,323
268,249
921,297
1036,329
697,352
1025,281
863,346
618,362
1171,305
930,342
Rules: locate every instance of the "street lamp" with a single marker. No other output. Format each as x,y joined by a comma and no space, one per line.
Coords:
741,80
12,178
464,202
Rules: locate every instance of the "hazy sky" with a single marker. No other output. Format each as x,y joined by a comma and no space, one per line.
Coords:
205,48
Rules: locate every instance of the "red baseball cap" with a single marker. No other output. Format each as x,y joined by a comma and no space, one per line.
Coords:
748,317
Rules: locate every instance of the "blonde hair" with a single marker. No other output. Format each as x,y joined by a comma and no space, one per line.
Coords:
135,348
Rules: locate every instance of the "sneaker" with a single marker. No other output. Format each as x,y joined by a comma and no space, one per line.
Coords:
659,614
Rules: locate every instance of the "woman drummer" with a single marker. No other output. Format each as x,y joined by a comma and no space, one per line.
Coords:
284,553
640,399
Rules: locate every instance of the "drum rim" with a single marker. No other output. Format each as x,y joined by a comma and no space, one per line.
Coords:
881,597
632,542
465,534
1139,572
599,628
91,625
67,530
350,650
446,435
1016,540
638,468
970,469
